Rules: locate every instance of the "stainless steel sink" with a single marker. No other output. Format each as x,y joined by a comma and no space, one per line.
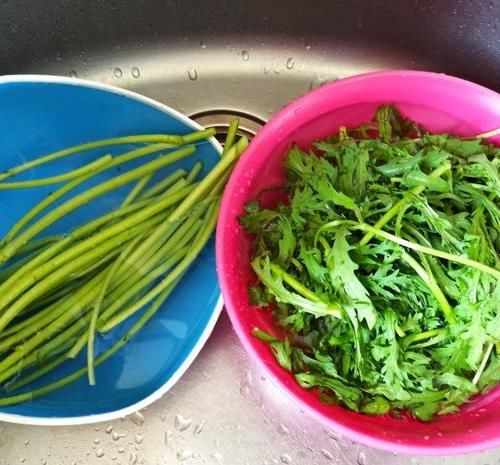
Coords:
212,60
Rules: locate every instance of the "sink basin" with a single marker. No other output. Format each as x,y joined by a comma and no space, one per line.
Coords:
249,57
213,60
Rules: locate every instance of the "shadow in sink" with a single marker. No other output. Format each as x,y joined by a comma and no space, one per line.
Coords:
246,56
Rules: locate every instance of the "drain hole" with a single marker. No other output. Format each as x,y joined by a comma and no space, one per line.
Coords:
220,119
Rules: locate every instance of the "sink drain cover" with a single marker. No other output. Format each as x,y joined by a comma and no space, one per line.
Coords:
220,119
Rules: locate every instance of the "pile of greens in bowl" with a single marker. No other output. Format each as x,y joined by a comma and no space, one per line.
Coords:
383,267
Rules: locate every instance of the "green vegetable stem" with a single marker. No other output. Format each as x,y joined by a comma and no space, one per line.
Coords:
59,293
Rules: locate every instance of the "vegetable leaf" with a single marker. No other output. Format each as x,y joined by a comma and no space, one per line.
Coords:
373,324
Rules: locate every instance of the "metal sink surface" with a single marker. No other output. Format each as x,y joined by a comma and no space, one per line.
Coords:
212,60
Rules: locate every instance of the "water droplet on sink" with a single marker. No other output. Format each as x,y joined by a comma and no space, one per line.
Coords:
307,46
290,63
333,435
118,72
99,453
139,438
203,44
133,459
168,438
137,418
285,458
199,428
362,460
247,380
182,423
117,436
426,437
245,55
327,454
276,71
184,455
120,450
192,74
136,73
283,429
108,429
217,456
72,74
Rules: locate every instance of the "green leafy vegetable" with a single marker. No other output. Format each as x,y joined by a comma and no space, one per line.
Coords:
383,268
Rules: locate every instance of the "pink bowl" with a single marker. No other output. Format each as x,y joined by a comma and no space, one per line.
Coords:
442,104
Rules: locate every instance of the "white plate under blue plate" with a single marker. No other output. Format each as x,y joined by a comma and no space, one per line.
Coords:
41,114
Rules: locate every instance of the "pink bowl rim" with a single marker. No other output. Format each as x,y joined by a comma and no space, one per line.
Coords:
248,341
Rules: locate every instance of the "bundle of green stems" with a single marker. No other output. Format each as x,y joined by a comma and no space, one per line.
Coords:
59,292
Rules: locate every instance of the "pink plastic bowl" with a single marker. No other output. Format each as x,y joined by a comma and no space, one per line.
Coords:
442,104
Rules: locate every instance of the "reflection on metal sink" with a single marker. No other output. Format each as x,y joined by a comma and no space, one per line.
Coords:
213,59
246,56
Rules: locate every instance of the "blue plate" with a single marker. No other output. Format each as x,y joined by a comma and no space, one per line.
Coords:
42,114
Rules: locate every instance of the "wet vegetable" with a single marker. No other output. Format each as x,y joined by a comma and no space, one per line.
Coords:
383,267
58,292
